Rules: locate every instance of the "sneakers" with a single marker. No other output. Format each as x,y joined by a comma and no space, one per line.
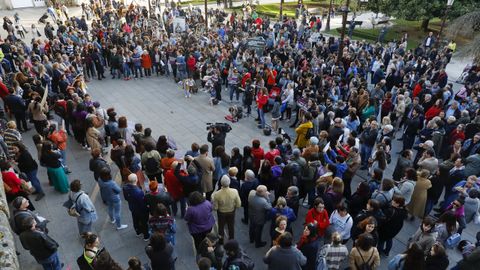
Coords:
123,226
112,221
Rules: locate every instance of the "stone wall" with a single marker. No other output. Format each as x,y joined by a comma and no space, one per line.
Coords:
8,255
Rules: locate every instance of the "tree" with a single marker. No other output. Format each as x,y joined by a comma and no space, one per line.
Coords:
468,25
424,10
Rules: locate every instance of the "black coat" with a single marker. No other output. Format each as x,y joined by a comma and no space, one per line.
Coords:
436,262
393,224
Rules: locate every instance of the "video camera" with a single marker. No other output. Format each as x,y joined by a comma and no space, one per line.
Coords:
222,127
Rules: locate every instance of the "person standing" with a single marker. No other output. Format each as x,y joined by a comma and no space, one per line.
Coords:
59,138
216,137
258,207
29,166
84,207
41,246
21,212
319,216
225,202
285,255
111,194
250,183
207,167
16,105
161,253
364,254
136,203
199,217
56,174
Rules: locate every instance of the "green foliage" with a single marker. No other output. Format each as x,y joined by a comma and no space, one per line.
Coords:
420,9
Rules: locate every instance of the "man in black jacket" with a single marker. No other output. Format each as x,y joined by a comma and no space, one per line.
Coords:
367,141
412,126
16,105
216,137
42,247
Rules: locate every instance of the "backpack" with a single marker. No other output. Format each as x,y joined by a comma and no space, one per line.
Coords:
321,263
59,110
365,265
309,133
244,260
198,169
453,240
151,165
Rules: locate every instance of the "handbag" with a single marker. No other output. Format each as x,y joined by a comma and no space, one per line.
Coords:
453,240
321,259
72,206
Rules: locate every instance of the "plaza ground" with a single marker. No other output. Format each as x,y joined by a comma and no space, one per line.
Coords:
159,103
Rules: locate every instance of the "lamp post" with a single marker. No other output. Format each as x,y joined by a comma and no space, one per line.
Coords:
342,36
449,5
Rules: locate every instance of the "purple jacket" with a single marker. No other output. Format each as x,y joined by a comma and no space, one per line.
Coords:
200,218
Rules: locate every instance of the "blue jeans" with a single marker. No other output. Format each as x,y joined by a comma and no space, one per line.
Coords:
261,115
183,206
63,160
126,71
84,228
137,70
116,71
233,89
32,177
51,263
365,153
114,209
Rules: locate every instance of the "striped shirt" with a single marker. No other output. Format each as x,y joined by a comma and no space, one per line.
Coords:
334,255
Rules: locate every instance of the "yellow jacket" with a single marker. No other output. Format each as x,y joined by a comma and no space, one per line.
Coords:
226,200
301,131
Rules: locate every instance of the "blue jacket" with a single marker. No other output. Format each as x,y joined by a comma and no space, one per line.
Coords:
135,198
109,190
15,104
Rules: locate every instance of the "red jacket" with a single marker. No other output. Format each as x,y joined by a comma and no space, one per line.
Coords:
258,155
270,156
261,101
146,61
432,112
173,185
3,90
456,135
12,180
191,62
417,90
321,219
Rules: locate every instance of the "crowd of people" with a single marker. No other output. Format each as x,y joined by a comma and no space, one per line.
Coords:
346,113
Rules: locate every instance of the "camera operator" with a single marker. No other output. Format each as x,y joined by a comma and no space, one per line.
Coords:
216,136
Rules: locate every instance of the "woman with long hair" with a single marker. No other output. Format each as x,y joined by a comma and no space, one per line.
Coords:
412,258
368,225
425,235
29,166
50,158
38,111
308,245
364,253
222,164
437,258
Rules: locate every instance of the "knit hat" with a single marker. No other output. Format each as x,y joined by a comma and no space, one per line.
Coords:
153,185
225,181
